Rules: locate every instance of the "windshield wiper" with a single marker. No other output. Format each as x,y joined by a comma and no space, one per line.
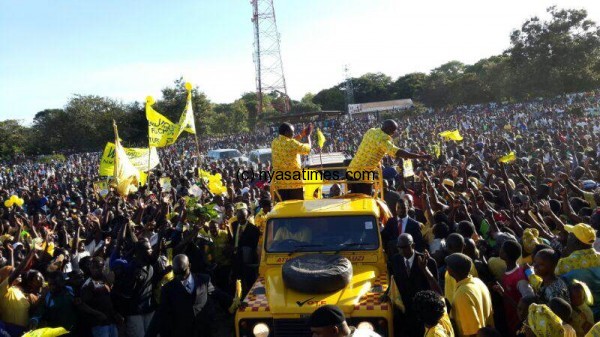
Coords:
350,244
297,248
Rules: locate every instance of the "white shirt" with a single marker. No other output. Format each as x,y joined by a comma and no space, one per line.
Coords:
410,260
93,246
188,283
404,221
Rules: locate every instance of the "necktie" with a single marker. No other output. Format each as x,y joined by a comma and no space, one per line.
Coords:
407,267
400,226
240,230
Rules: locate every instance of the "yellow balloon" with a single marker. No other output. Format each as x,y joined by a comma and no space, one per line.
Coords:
8,203
188,86
20,202
14,198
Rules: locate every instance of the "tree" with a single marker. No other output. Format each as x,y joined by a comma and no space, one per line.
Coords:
14,138
556,56
408,86
372,87
331,99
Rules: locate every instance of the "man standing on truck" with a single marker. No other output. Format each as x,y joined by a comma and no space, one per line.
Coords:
287,166
376,143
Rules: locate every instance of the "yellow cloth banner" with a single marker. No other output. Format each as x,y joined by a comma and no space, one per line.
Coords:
451,135
186,121
137,156
161,131
509,158
320,138
126,175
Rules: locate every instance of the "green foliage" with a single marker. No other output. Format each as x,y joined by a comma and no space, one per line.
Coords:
13,138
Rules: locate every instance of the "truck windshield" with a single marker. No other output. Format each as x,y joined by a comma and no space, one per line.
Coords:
335,233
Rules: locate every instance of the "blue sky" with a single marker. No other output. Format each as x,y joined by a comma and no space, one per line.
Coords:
52,49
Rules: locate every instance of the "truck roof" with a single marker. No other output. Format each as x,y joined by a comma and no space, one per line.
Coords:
325,207
314,160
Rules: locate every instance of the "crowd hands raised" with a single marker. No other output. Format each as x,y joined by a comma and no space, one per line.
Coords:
497,246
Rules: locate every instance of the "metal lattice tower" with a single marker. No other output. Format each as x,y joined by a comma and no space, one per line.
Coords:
267,53
348,87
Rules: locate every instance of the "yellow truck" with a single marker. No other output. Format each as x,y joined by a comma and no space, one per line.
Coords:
343,234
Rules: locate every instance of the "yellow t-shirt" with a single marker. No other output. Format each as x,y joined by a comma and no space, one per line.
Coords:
14,306
472,306
442,329
450,283
374,145
287,165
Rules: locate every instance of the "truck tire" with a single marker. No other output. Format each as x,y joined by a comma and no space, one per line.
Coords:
317,273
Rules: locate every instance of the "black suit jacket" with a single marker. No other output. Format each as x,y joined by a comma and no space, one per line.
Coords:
248,238
390,234
409,285
183,314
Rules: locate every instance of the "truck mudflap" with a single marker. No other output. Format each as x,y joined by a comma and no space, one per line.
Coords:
374,299
256,300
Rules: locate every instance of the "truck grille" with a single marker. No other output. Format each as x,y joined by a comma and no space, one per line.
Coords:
291,328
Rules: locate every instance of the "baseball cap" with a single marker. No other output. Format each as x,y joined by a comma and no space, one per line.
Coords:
583,232
448,182
327,315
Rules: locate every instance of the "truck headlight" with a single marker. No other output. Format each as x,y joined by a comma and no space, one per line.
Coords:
260,330
365,325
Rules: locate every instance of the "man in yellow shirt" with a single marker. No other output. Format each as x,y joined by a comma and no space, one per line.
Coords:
455,243
287,165
376,143
14,304
472,304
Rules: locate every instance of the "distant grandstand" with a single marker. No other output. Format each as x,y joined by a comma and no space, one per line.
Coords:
398,104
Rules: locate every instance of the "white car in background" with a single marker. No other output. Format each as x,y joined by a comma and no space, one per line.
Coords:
226,154
262,155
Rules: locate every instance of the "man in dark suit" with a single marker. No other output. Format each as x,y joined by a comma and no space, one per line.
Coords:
245,238
188,304
401,224
413,272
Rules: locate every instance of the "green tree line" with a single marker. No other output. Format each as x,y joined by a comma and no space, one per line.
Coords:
545,58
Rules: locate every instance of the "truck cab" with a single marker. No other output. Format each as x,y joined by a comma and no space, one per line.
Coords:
347,226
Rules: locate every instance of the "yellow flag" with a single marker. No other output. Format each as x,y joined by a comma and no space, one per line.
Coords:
509,158
161,131
451,135
320,138
214,182
126,175
186,121
142,159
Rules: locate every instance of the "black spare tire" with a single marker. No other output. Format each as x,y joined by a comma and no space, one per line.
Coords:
317,273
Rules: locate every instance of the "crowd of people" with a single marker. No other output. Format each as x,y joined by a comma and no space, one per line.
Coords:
498,247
